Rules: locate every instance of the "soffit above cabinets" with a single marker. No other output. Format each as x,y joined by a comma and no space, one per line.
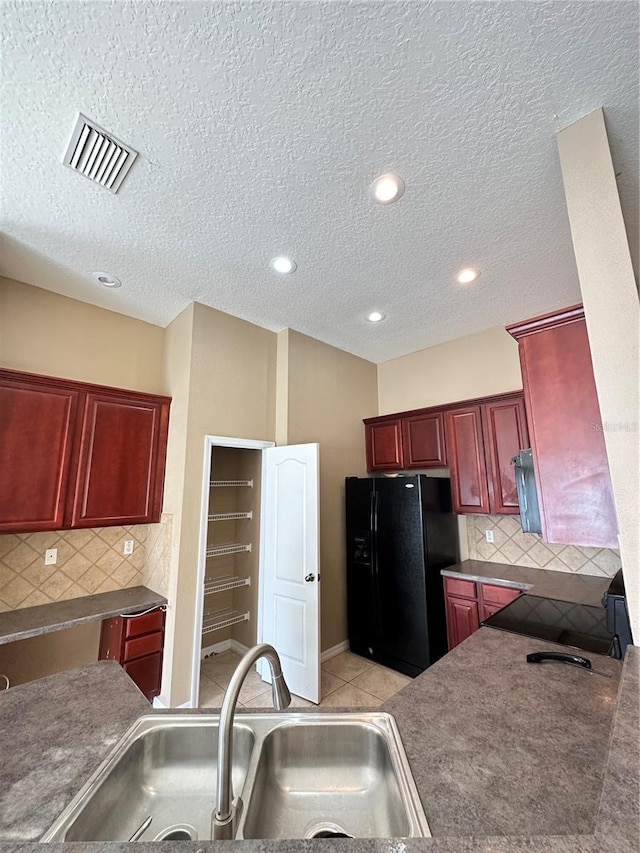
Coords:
260,127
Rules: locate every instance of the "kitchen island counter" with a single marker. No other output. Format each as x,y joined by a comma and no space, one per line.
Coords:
472,727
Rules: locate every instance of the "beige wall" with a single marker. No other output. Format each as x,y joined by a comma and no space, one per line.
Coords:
221,372
473,366
329,392
610,298
43,332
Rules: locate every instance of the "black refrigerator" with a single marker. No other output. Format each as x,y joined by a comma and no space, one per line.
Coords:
400,532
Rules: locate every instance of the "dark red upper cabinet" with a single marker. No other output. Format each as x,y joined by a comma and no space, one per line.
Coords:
37,423
505,433
119,477
569,454
465,450
78,455
383,439
423,441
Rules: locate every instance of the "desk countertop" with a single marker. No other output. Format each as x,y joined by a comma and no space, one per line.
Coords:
46,618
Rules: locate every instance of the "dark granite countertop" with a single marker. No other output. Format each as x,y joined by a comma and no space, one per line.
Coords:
45,618
565,586
503,751
54,732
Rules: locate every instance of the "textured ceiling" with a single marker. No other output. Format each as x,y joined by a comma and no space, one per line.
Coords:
260,126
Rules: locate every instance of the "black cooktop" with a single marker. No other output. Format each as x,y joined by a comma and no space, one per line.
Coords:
579,625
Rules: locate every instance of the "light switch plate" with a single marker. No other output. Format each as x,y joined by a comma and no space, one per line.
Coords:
51,556
128,547
488,535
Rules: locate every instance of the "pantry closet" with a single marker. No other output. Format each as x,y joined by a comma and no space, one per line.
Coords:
230,586
248,590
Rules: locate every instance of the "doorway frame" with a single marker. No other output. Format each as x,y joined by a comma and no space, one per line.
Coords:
211,441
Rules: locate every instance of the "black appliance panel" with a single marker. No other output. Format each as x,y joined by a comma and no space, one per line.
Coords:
399,570
363,606
440,528
578,625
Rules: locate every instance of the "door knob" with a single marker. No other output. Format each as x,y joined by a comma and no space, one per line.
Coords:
309,578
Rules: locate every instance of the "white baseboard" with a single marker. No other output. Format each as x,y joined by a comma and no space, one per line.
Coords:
239,648
224,646
334,650
216,649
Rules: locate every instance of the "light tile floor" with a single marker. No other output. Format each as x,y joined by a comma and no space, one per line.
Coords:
347,681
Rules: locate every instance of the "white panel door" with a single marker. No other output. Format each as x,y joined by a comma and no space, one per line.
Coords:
290,589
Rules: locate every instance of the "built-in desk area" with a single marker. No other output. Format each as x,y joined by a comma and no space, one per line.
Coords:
88,628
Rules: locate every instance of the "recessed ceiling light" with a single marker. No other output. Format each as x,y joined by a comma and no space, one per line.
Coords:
386,189
283,265
467,275
106,280
376,317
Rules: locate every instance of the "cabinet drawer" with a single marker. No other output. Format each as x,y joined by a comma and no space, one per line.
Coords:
455,586
141,646
134,626
500,595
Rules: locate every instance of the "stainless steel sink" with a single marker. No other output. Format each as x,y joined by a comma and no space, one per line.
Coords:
317,778
165,766
299,775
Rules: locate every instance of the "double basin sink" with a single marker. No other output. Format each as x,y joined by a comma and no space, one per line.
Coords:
308,775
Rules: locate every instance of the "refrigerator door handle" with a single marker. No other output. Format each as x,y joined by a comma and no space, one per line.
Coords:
374,562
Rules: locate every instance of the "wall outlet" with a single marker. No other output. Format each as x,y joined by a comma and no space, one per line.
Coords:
128,547
488,535
51,557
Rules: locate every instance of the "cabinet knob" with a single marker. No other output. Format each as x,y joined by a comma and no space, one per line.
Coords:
310,578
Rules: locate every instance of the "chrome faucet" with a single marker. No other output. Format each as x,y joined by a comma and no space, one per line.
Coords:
228,810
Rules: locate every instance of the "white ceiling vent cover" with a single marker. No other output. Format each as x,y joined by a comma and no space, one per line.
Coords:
98,155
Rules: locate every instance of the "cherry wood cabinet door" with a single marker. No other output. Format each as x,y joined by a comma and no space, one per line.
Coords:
423,441
569,454
37,422
384,445
119,475
462,619
505,433
465,451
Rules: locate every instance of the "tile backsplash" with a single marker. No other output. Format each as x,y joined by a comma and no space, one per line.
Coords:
89,561
511,545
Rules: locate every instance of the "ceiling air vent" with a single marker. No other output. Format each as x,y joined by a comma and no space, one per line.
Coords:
98,155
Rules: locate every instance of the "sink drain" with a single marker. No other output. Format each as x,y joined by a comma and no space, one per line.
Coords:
178,832
326,829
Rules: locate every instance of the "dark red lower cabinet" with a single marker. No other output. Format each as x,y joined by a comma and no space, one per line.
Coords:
136,641
469,603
